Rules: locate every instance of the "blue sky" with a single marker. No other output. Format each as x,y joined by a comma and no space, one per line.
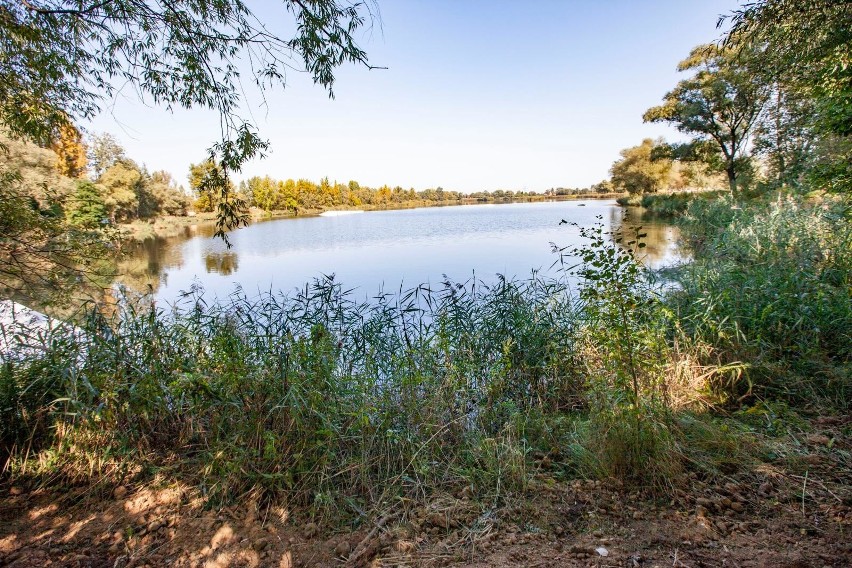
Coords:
477,95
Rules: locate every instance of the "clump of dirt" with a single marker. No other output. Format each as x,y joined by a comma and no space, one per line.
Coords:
770,517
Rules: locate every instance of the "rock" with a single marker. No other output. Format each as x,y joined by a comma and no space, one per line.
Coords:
120,492
260,544
703,502
15,491
732,488
765,488
737,506
310,530
342,549
439,520
637,515
602,551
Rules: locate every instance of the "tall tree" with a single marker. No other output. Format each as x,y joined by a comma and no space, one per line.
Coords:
104,152
809,43
88,208
60,59
69,148
721,103
122,184
638,171
807,50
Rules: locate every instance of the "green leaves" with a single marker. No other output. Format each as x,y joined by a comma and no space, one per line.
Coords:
59,59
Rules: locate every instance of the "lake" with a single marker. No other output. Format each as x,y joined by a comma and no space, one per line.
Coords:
381,250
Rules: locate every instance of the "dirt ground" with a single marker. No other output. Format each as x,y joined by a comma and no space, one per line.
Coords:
771,518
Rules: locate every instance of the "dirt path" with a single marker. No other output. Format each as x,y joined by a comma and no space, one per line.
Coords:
579,524
769,517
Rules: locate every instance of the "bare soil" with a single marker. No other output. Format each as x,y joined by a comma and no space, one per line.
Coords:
768,518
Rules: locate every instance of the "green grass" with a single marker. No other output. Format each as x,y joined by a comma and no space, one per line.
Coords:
339,406
771,285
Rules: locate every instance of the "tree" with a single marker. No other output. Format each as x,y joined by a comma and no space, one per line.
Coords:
36,172
809,44
170,199
69,148
807,51
721,103
104,152
88,209
42,258
205,179
637,172
122,186
60,59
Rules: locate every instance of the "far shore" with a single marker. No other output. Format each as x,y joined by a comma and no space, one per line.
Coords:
174,225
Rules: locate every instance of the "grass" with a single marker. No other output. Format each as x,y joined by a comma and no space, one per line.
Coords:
667,205
338,406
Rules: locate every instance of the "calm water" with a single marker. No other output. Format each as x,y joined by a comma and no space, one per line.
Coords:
380,250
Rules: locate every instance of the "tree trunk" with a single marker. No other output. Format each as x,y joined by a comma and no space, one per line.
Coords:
732,178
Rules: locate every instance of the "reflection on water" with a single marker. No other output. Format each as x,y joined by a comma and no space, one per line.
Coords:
224,263
382,249
661,238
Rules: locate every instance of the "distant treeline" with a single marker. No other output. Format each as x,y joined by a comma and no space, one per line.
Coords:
301,195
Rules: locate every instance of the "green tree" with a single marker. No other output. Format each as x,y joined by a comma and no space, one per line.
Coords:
43,259
808,43
122,187
263,192
170,199
104,151
806,50
720,103
60,59
638,172
88,208
36,171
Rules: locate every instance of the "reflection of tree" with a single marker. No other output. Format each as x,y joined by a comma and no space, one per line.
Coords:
143,265
660,238
224,263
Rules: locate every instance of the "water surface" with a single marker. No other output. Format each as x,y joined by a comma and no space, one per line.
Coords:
382,250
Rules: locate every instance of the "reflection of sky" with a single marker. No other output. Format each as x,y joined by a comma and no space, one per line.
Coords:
387,249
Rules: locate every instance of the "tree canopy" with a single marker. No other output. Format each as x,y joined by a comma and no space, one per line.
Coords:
721,102
637,171
61,59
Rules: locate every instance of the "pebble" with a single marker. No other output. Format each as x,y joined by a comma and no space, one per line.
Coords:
311,530
119,492
342,549
15,491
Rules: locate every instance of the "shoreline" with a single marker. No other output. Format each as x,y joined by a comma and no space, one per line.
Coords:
169,226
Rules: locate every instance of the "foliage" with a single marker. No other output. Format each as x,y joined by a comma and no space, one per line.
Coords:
771,286
624,333
806,57
88,209
169,198
42,258
70,151
808,44
103,152
721,103
59,59
122,191
37,170
637,172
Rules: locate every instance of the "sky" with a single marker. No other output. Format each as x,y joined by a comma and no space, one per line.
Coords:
476,95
